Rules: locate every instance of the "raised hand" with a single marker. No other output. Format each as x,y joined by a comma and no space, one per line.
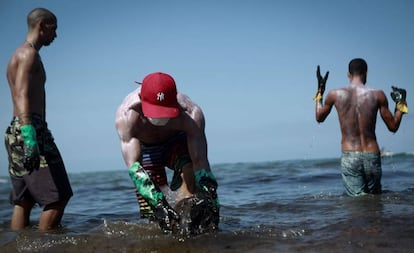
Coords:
399,96
321,80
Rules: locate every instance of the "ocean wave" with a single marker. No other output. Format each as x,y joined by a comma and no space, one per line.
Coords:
398,155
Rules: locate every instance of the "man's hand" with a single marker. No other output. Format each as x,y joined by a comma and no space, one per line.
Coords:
207,184
196,215
165,215
399,96
31,156
321,83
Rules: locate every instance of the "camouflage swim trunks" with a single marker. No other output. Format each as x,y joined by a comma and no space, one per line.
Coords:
45,185
361,172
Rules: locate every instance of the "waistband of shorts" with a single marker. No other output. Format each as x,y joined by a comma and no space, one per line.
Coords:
360,153
36,120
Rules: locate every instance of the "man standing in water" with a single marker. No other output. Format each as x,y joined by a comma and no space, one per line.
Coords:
159,128
357,107
36,169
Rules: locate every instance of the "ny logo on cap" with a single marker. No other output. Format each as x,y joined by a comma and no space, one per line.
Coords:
160,96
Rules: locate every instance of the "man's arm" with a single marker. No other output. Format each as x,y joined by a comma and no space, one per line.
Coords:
130,148
322,110
391,121
125,120
204,178
197,141
131,151
26,60
20,81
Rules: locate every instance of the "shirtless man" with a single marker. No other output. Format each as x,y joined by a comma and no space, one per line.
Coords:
159,127
357,107
36,169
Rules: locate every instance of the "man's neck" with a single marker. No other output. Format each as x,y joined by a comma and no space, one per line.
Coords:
33,42
357,81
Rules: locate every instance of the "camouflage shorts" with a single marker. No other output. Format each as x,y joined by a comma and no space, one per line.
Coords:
47,184
14,145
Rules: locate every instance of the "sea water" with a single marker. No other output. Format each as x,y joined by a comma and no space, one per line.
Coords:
281,206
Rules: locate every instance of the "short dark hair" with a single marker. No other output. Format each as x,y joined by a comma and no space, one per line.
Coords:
358,66
40,14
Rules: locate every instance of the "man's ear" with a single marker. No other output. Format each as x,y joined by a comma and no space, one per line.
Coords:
41,26
349,75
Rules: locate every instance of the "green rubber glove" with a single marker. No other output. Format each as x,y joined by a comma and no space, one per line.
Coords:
206,182
30,148
164,214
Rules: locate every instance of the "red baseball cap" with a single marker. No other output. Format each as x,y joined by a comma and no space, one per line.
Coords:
159,96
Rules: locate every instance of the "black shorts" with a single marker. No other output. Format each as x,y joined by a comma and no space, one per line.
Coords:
45,185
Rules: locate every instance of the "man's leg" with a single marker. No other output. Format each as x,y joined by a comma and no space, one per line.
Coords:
187,188
21,215
352,173
52,215
373,172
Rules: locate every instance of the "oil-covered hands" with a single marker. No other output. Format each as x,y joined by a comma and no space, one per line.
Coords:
206,182
321,83
31,154
399,96
207,191
164,214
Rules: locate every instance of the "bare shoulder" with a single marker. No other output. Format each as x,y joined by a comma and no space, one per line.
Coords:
26,54
127,111
380,96
23,55
379,92
334,93
190,107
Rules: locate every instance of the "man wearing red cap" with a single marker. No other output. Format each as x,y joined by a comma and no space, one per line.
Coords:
159,128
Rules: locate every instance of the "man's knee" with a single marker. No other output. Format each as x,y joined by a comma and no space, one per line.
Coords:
25,204
58,205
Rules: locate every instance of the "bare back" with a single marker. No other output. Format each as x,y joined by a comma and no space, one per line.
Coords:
27,77
357,107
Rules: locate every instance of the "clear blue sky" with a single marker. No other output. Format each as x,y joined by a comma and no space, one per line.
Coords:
250,65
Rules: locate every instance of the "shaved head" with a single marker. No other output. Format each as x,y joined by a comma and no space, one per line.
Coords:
40,14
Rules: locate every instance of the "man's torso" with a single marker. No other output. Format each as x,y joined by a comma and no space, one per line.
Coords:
130,111
357,108
37,79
